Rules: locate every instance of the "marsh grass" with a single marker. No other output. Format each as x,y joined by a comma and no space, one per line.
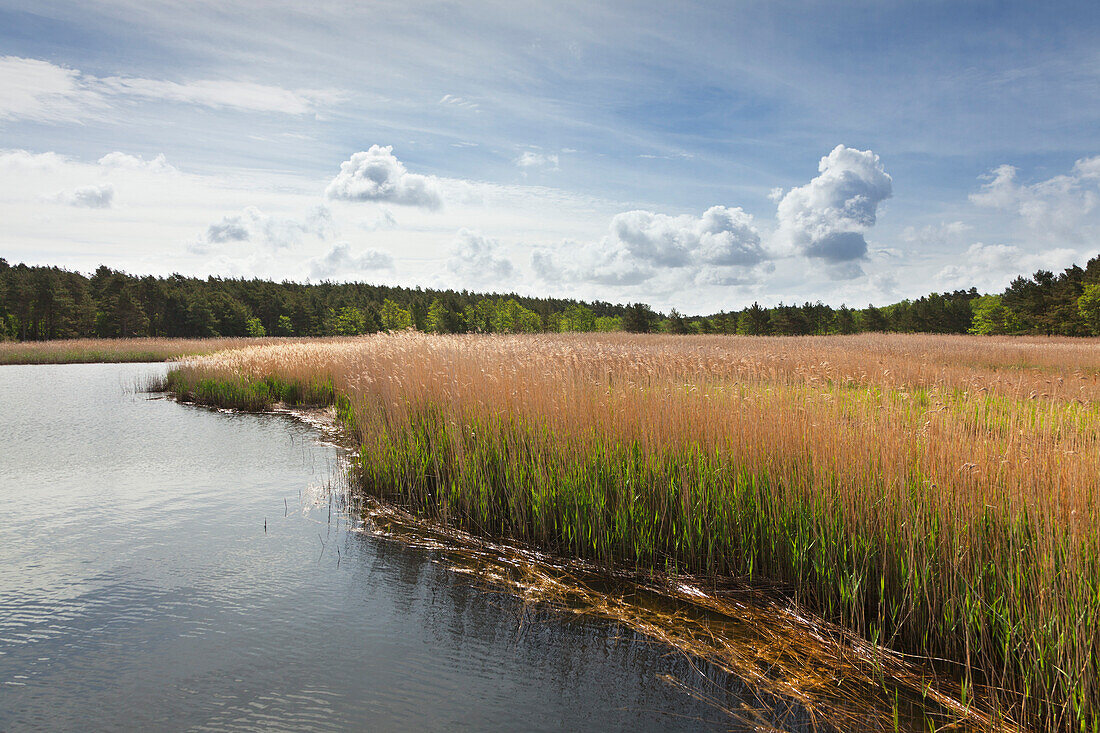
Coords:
85,351
935,495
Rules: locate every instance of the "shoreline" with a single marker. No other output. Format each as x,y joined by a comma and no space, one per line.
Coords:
795,662
913,490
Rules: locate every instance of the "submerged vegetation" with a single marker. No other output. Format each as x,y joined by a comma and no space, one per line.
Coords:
934,494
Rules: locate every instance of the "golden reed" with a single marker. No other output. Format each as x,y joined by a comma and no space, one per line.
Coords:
936,494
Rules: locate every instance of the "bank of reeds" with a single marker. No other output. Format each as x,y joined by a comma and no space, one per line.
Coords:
934,494
83,351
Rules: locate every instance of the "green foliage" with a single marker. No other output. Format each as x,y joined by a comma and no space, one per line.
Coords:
284,326
639,318
508,316
253,395
675,323
40,303
436,320
578,318
393,317
348,321
754,321
991,317
606,324
1089,307
255,327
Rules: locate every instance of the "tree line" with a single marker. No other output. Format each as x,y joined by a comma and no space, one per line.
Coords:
41,302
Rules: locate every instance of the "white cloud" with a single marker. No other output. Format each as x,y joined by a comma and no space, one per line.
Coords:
43,92
32,89
383,220
936,234
132,162
990,267
274,232
476,258
720,247
1000,191
453,101
377,175
828,217
1087,168
672,156
221,94
722,236
99,196
22,161
1063,205
531,159
340,260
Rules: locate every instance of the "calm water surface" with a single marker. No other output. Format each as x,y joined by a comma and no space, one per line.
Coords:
139,589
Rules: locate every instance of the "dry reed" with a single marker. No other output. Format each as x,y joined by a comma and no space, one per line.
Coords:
935,494
81,351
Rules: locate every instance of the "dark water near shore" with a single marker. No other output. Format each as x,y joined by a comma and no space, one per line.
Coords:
139,589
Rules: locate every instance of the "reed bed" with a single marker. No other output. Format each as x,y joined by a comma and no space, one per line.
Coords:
934,494
82,351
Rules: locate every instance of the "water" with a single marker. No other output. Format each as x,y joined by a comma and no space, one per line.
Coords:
139,588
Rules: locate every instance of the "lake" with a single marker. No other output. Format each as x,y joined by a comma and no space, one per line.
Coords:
164,566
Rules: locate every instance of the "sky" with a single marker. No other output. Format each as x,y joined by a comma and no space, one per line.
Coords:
700,156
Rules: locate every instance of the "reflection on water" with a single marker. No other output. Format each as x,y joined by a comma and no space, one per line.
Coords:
163,566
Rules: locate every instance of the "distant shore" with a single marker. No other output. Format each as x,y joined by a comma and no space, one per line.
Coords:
124,350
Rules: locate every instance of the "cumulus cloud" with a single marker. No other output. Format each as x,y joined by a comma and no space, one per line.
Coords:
231,228
477,258
828,217
33,89
1063,205
274,232
722,236
341,260
719,247
531,159
95,196
124,161
377,175
23,160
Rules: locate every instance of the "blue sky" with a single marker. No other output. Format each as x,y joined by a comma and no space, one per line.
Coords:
698,155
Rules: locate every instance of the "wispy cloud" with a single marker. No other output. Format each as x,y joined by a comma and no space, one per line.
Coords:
43,92
32,89
531,159
461,102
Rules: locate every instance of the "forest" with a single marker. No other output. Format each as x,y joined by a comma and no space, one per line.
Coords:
42,303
